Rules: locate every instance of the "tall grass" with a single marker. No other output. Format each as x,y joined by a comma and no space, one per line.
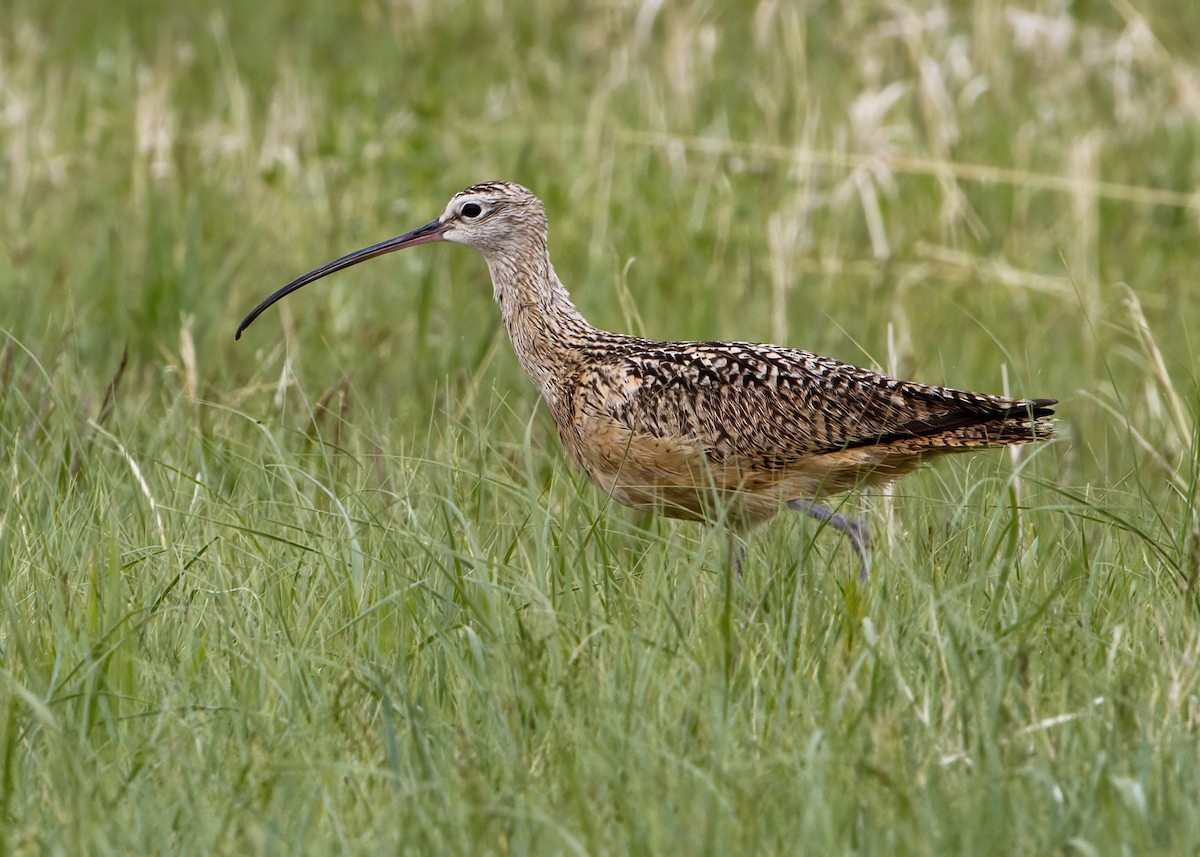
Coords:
334,587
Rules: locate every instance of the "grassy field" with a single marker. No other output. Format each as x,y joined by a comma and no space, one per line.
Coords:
334,588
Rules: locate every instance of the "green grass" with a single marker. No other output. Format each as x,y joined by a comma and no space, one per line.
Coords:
334,588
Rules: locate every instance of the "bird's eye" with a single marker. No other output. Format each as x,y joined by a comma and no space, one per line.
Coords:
471,210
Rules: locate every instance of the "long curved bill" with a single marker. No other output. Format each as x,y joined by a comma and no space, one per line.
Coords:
431,231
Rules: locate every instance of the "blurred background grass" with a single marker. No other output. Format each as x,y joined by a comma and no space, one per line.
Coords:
334,587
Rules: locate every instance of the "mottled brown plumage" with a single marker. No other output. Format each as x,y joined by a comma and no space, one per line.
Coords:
711,431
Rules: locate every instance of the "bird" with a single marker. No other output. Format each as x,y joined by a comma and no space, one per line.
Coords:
729,433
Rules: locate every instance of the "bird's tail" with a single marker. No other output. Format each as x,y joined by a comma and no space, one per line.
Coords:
1019,422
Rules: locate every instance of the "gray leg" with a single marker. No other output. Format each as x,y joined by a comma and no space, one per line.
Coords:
854,529
737,550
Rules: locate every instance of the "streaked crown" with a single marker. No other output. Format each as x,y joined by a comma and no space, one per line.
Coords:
495,217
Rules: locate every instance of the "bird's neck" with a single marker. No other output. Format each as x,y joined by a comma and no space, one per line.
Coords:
545,328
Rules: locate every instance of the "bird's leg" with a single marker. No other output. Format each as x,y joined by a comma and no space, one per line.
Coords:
854,529
737,550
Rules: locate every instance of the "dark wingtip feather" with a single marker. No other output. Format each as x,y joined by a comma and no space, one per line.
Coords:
1038,407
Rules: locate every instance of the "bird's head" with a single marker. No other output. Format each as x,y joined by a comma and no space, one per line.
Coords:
493,218
499,219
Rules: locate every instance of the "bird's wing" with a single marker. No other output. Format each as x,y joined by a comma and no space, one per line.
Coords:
777,405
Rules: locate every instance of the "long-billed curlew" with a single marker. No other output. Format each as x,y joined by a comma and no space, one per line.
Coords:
708,431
